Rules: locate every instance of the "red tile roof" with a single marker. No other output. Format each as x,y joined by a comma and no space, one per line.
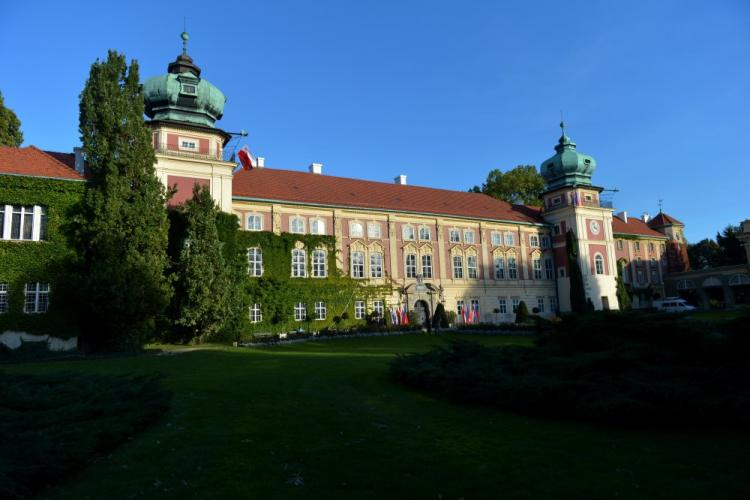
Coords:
34,162
634,226
302,187
662,220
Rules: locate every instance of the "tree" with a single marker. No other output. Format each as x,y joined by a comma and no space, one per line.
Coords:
522,185
731,247
577,293
706,253
522,312
10,126
120,228
623,297
202,284
440,318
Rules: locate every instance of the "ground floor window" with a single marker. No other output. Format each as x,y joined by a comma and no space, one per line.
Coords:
515,301
540,304
379,308
37,298
300,313
552,303
475,310
255,315
359,309
460,307
3,298
502,305
320,311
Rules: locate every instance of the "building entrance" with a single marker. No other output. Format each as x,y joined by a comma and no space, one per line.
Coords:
422,311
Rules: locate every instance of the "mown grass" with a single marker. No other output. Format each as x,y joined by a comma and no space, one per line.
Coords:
324,420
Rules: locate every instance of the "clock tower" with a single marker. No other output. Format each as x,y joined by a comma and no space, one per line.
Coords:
572,203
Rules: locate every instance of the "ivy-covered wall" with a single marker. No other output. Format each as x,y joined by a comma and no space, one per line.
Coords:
277,292
38,261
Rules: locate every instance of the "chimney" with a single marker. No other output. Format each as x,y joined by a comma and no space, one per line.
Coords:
79,161
316,168
624,216
645,217
260,162
401,179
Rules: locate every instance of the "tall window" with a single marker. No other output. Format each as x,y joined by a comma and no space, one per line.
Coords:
356,230
534,241
376,265
497,238
475,306
540,304
424,233
512,269
619,244
499,268
255,314
427,266
545,241
458,267
515,302
469,236
319,267
37,298
320,311
254,223
411,265
255,261
300,312
509,239
358,265
318,226
654,271
455,236
373,230
378,307
23,222
502,304
297,225
537,266
549,270
471,266
637,246
552,303
299,264
408,233
599,264
459,307
3,298
359,309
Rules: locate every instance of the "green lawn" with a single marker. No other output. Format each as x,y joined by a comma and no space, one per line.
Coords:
323,420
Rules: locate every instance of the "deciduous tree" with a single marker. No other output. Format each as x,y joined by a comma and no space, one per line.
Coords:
10,126
522,185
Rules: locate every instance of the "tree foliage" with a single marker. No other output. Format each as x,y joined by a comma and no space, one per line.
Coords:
706,253
10,126
731,246
577,293
522,185
522,313
623,297
726,250
440,318
120,228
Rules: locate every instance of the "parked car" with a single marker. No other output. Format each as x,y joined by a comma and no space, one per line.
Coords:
673,304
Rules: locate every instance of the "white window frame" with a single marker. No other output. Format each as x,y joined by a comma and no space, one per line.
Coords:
549,269
424,233
536,265
471,267
515,302
317,226
499,267
299,263
410,265
319,264
37,214
427,266
458,267
540,303
359,309
497,238
534,241
249,226
502,305
376,264
256,314
460,304
356,230
3,298
512,268
619,244
255,262
190,140
297,225
300,311
469,237
454,235
598,263
374,231
545,241
357,265
321,312
39,294
407,233
552,303
379,307
509,240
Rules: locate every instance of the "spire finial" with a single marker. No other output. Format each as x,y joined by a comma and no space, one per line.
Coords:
184,36
660,204
562,123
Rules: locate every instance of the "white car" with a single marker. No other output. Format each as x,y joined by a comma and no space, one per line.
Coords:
673,304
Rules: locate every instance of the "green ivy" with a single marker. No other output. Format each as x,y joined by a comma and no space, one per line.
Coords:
23,262
277,292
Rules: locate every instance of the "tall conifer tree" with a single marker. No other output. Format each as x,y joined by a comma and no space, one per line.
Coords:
120,231
577,293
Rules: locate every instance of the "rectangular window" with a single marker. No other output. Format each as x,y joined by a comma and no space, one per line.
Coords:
373,230
499,268
376,265
3,298
254,223
21,222
471,266
619,244
424,233
359,309
475,305
427,266
42,223
411,265
537,266
358,265
255,262
459,307
651,248
654,271
320,311
455,236
356,230
552,303
502,304
36,298
637,246
379,308
408,232
540,304
300,313
515,301
299,264
512,269
255,314
469,237
549,269
545,241
458,267
556,230
534,241
497,239
317,226
319,267
297,225
2,222
509,239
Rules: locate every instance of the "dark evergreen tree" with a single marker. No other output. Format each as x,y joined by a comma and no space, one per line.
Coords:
522,312
577,293
10,126
120,229
521,185
202,284
704,254
623,297
235,258
440,318
731,247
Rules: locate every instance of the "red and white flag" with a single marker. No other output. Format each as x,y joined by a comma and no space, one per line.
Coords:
246,158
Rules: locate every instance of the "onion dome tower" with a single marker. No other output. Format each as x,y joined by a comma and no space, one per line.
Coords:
572,203
183,109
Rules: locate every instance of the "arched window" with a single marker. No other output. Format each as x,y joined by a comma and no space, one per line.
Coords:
299,264
255,261
355,230
376,265
358,265
411,265
599,264
455,236
319,268
297,225
497,238
408,232
373,230
424,233
318,226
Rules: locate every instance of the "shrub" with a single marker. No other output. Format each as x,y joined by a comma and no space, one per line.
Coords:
522,313
440,319
452,316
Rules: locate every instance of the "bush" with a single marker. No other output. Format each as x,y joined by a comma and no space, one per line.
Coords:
440,319
522,313
452,317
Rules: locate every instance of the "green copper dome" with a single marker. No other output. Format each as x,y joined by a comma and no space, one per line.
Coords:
182,95
568,167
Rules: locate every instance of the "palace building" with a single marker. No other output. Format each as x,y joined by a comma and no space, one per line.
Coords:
467,251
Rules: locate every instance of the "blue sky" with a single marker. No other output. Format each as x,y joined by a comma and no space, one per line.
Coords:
657,92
